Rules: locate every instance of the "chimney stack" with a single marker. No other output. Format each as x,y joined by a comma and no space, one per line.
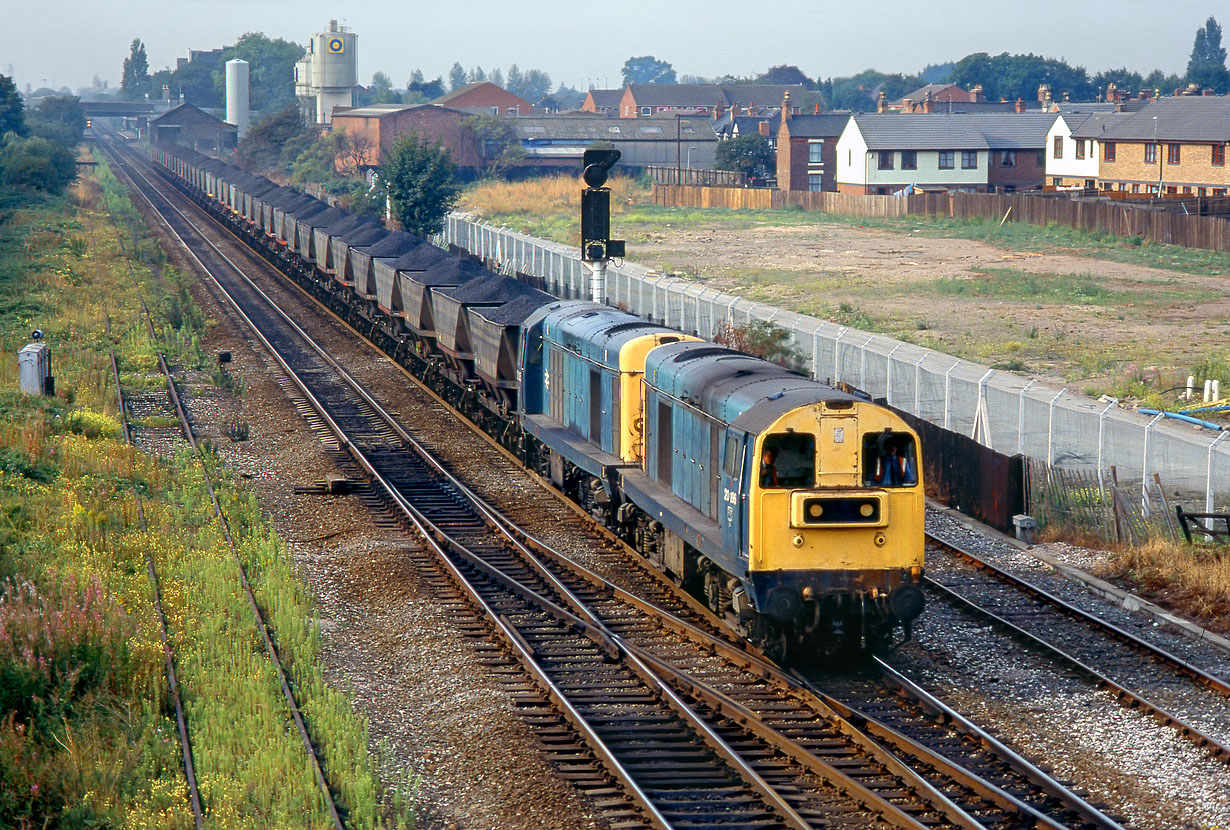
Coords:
816,107
907,106
1044,93
1020,105
764,128
786,105
719,109
881,102
976,95
927,102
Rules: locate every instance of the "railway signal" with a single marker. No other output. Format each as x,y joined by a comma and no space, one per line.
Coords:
597,247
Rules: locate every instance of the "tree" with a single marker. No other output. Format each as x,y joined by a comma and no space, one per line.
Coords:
647,70
136,70
12,108
271,70
59,118
416,77
477,75
496,77
535,85
760,338
37,163
499,140
266,145
331,157
1019,76
419,178
860,92
785,74
514,80
456,77
1207,66
751,154
425,90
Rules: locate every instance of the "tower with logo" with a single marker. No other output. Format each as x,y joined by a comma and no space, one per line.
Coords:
326,76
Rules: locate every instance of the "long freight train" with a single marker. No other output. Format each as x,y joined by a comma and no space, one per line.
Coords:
791,508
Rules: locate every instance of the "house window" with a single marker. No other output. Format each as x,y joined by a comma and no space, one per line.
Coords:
1172,153
1150,154
886,159
1108,151
813,182
1040,161
1135,188
1200,191
1007,158
1057,181
946,159
1058,151
969,159
646,110
1219,154
1219,191
1080,148
815,152
1187,191
909,159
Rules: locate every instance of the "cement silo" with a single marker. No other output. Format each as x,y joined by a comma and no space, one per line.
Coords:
238,107
327,75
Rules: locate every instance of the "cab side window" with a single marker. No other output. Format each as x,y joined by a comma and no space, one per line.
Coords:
788,459
890,459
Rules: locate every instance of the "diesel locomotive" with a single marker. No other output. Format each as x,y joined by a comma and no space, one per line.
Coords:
792,509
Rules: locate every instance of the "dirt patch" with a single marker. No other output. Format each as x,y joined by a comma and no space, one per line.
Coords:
1051,313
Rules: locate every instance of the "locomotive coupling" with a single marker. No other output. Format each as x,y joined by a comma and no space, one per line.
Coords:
906,602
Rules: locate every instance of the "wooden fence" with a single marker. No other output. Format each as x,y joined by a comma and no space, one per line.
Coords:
670,174
1115,217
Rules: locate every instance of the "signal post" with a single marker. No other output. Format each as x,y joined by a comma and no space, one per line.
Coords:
597,247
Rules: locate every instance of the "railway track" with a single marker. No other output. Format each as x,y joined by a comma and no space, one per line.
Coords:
725,718
1141,675
263,628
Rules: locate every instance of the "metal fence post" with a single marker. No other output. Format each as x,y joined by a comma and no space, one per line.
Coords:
1144,462
918,386
837,355
1101,440
888,376
1050,429
947,391
1208,478
1020,420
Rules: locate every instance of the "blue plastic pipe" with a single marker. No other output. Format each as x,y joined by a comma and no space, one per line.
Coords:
1178,416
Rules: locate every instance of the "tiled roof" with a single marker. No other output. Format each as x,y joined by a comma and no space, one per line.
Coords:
969,131
826,125
606,97
1096,125
1194,118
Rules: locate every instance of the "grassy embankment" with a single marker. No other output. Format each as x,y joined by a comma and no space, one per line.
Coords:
1029,338
87,737
1186,578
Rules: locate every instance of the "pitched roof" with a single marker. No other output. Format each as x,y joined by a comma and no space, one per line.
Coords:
678,95
606,97
826,125
1186,118
967,131
1097,124
468,88
918,95
186,112
770,94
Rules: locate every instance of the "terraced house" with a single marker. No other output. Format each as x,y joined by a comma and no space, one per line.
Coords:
977,153
1074,147
1173,146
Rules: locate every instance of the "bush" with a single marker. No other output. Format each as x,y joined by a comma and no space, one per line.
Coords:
37,164
91,424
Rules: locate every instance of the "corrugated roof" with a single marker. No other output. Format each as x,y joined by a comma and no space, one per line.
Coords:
1186,118
967,131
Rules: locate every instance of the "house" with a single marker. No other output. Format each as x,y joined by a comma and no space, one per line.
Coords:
1073,147
602,101
643,100
807,151
381,125
1171,146
483,97
191,126
938,94
975,152
559,141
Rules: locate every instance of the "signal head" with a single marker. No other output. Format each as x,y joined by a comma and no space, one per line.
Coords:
596,164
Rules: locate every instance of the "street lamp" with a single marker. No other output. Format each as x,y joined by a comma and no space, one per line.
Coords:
690,149
1157,148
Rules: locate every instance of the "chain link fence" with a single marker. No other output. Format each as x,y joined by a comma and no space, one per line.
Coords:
1004,411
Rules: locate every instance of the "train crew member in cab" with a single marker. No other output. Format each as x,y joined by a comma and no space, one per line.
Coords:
768,467
895,468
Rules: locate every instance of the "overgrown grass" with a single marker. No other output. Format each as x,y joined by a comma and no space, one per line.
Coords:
1195,580
86,738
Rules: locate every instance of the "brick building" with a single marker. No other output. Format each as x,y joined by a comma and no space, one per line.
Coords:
1172,146
807,151
382,124
486,98
191,126
643,100
602,101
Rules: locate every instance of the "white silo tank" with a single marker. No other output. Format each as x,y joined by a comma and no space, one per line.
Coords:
238,109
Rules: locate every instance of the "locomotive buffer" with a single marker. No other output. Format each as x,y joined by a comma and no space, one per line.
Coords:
597,247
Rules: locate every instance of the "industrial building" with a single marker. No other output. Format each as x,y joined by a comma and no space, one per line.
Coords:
326,76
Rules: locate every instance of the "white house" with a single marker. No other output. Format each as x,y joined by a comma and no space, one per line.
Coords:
1074,148
976,152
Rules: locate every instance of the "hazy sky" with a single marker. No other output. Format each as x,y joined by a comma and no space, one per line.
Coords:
583,43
